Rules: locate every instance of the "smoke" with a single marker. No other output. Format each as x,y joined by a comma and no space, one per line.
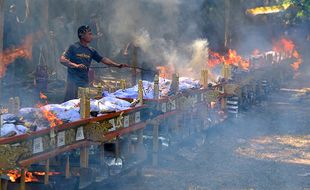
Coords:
162,29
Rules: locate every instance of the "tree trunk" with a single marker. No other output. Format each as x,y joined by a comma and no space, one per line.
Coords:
1,43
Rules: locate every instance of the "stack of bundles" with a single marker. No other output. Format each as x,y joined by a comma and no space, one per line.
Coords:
33,119
185,83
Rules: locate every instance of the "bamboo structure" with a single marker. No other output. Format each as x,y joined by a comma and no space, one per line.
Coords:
204,78
47,169
99,90
175,83
140,92
84,96
155,143
123,84
134,64
156,87
23,179
67,169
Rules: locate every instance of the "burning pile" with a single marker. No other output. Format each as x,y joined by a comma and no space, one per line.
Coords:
232,58
287,50
51,115
14,175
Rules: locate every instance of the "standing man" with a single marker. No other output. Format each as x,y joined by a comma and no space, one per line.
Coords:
78,59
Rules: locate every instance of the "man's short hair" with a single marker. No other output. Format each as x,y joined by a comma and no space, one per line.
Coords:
82,30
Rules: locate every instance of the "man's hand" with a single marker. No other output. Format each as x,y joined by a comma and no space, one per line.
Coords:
123,65
81,66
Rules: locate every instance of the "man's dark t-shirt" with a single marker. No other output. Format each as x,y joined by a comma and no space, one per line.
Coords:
79,54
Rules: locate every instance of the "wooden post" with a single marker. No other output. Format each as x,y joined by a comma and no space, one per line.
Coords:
134,64
175,83
23,179
140,136
1,184
226,71
226,24
5,185
99,90
117,148
67,171
101,154
84,102
47,170
204,78
156,87
84,157
155,143
1,43
140,93
123,84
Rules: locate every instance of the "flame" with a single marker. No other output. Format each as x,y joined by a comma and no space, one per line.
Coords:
232,58
15,174
43,96
8,56
215,59
48,115
287,49
165,71
268,9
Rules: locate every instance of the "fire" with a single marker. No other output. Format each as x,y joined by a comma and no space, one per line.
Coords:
215,59
165,71
15,174
29,176
232,58
48,115
43,96
287,49
8,56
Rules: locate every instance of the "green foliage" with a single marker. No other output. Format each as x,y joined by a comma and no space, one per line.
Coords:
302,9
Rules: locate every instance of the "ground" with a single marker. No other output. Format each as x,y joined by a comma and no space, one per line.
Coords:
267,147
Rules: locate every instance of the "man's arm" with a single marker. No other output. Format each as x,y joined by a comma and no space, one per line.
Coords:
108,61
66,62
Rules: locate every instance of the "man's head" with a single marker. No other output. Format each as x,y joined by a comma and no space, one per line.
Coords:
85,34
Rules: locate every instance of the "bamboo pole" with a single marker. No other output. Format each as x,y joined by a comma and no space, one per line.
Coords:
123,84
84,155
156,87
117,148
67,171
84,96
155,143
204,78
134,64
140,93
47,169
23,179
101,154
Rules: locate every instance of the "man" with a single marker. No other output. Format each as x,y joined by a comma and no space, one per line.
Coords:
78,59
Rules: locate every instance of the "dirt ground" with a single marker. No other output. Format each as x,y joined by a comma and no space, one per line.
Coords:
266,147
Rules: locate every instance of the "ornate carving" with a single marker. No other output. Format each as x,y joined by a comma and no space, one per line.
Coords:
212,95
70,136
232,89
95,131
10,155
